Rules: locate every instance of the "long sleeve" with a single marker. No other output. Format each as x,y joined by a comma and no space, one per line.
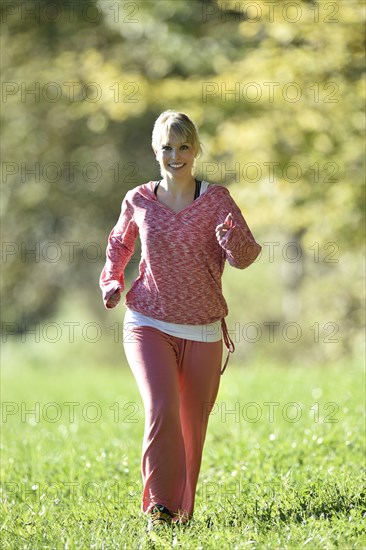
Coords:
239,245
120,248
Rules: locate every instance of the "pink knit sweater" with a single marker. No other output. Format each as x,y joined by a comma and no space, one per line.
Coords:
182,261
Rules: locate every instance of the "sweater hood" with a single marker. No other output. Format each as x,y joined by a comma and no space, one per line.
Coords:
146,190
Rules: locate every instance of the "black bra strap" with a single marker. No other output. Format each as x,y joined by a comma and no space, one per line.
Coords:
156,187
198,189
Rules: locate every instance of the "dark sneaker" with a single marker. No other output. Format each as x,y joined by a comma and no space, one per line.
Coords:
159,517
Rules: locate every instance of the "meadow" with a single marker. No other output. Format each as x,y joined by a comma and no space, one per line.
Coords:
283,464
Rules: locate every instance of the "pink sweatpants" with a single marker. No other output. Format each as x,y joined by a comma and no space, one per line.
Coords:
178,381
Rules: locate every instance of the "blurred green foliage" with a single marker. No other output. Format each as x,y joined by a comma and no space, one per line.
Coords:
277,91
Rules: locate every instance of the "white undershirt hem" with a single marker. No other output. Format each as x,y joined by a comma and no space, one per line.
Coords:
211,332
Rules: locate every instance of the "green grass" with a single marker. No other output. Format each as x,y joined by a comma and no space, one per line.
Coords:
284,469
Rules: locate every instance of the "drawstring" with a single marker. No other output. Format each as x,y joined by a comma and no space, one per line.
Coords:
228,343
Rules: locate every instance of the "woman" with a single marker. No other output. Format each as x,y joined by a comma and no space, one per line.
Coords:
174,322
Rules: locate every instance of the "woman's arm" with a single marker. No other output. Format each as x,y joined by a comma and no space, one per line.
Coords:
121,243
235,237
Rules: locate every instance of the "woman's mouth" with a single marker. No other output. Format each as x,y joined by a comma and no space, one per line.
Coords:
176,166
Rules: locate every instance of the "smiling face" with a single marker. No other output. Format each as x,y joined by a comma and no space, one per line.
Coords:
176,157
176,144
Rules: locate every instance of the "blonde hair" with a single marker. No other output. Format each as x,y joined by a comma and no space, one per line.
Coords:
180,125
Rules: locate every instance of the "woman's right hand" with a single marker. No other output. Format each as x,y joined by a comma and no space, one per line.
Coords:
114,299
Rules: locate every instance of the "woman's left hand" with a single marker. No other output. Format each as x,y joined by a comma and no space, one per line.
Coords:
223,228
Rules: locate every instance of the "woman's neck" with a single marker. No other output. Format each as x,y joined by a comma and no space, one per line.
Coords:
178,188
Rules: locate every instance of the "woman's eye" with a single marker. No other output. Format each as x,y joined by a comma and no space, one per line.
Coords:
168,147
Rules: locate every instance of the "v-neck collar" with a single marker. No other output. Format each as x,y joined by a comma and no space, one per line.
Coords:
190,205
